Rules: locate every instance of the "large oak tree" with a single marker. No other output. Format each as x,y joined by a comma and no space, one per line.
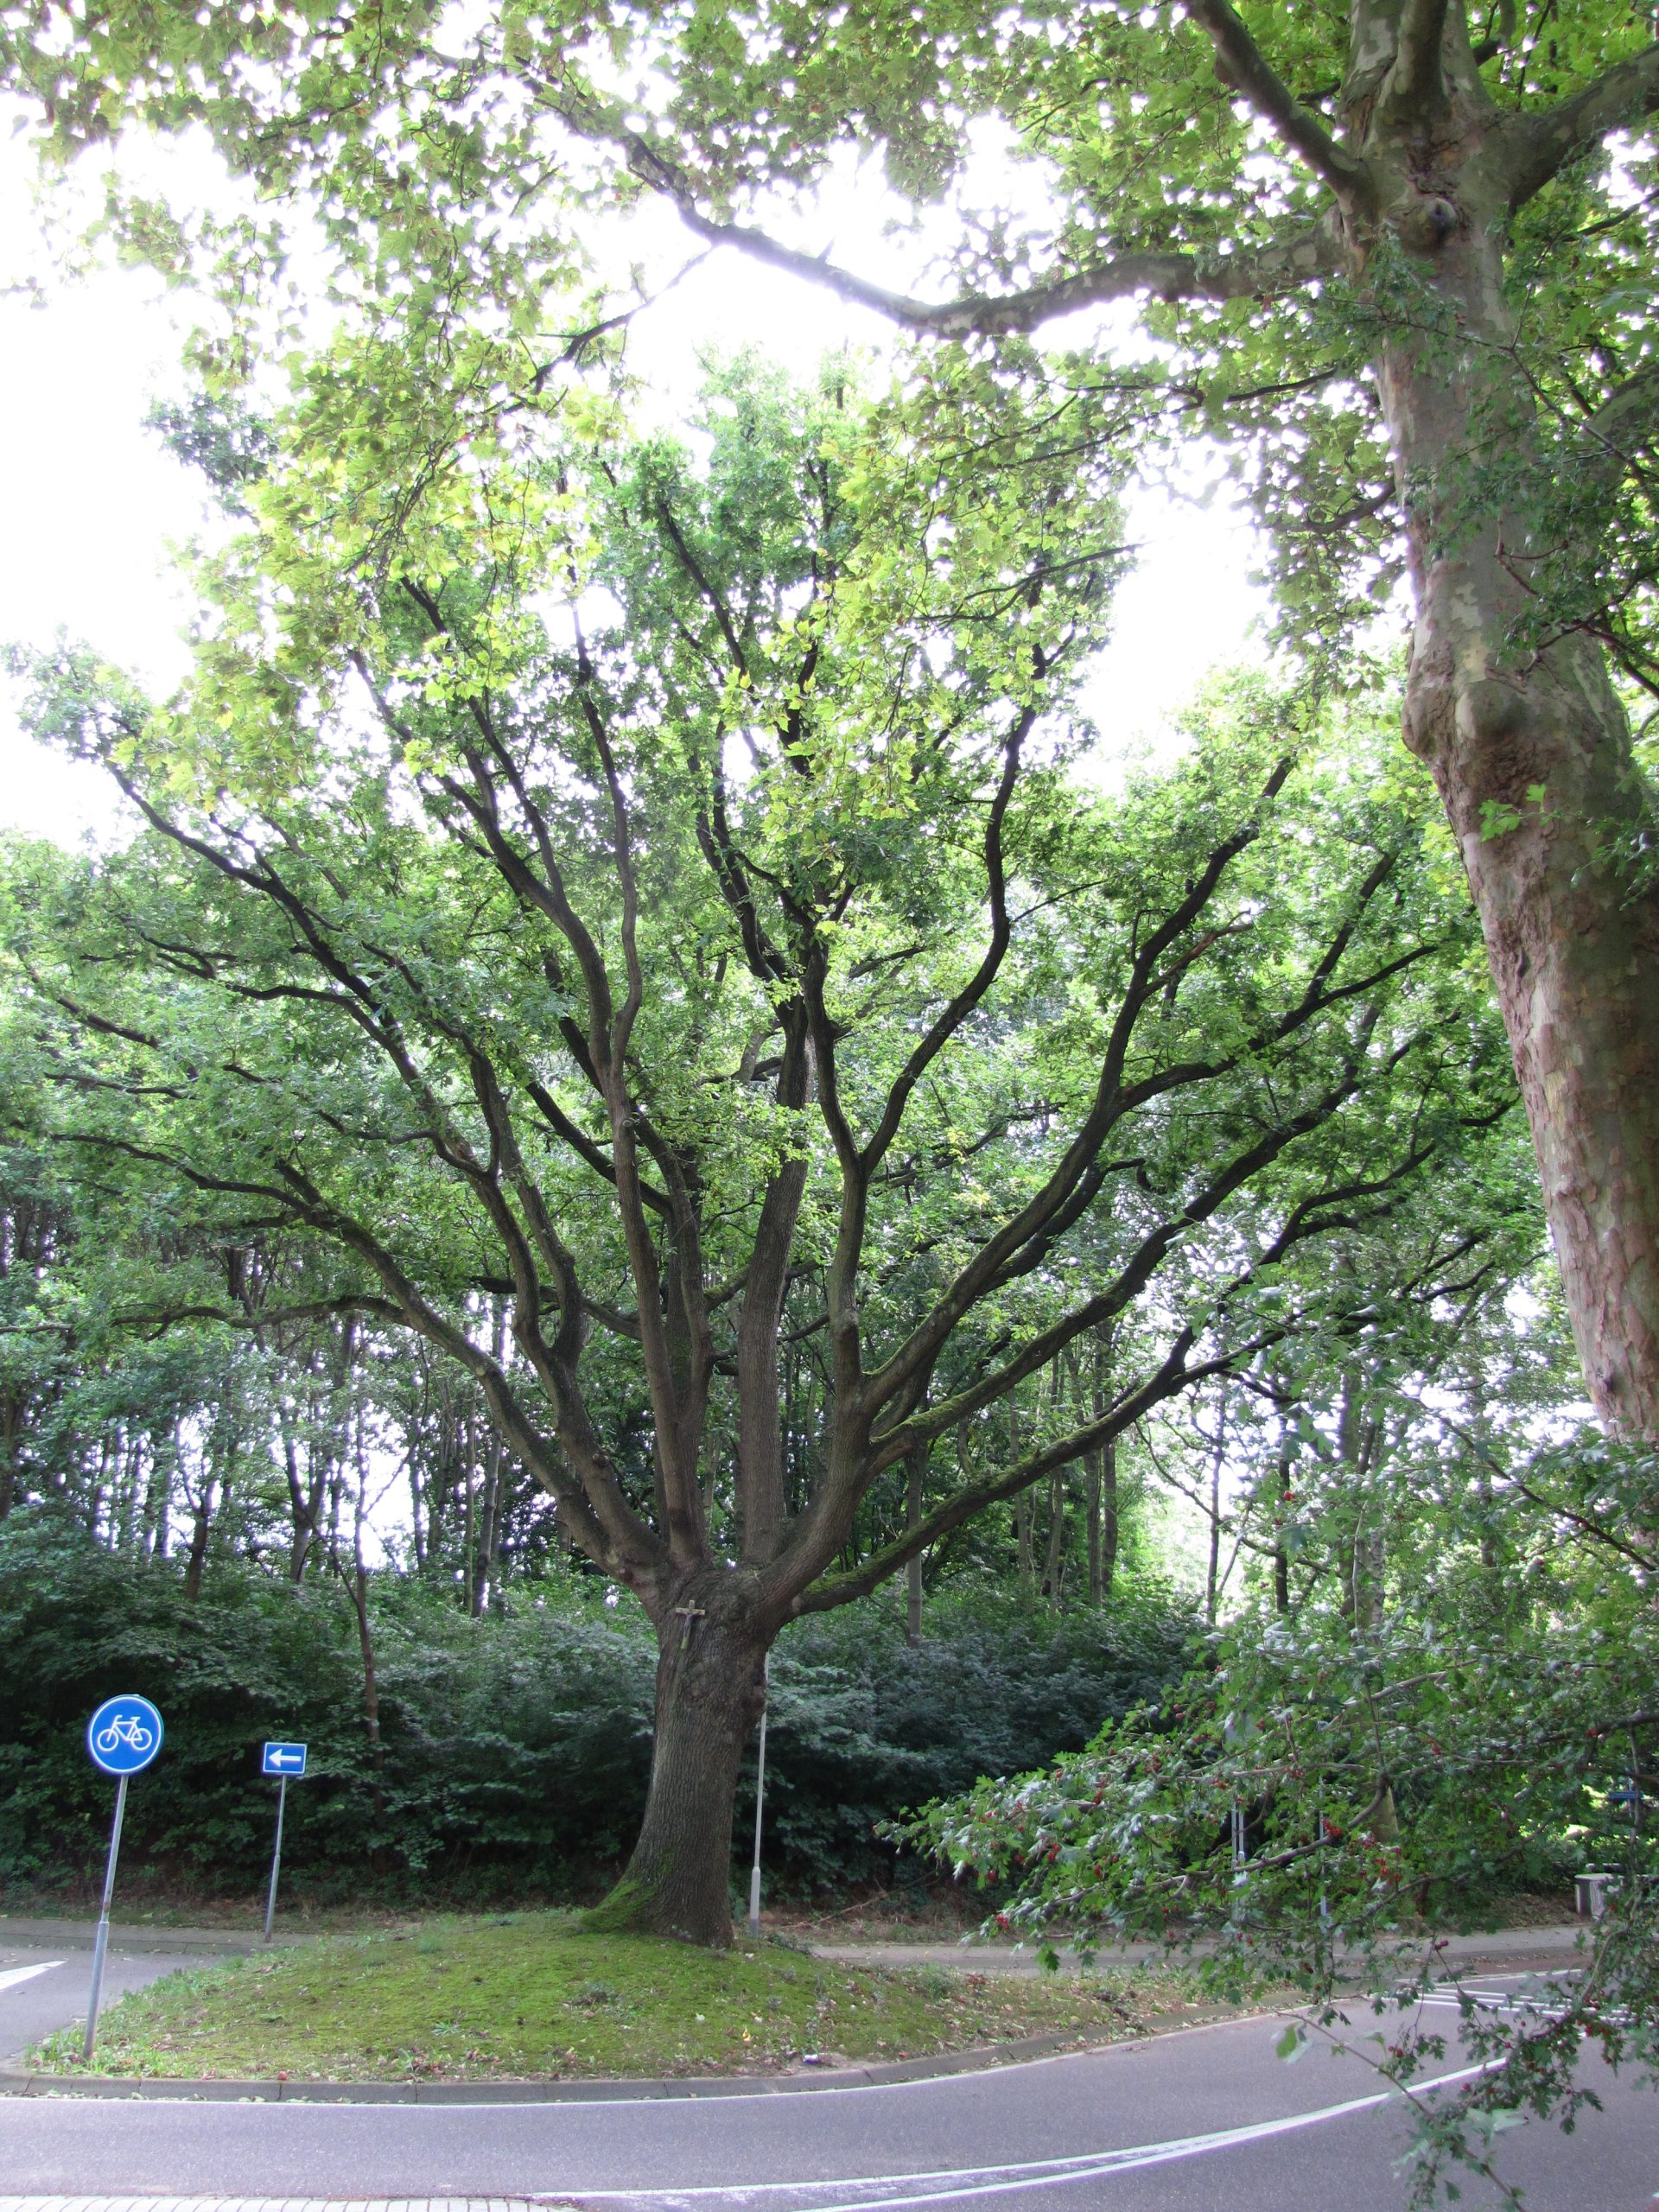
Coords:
652,889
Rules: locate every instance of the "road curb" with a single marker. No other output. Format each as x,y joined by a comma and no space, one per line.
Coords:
983,2058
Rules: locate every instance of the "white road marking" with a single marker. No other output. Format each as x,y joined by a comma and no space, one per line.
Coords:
11,1979
961,2183
986,2181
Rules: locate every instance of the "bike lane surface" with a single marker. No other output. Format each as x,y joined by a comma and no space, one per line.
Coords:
42,1989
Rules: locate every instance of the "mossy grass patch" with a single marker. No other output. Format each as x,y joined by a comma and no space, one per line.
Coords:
539,1996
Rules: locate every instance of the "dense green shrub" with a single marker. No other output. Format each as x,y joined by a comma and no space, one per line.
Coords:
513,1750
862,1723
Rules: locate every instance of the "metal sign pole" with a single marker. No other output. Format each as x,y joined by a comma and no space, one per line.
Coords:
101,1941
760,1809
276,1855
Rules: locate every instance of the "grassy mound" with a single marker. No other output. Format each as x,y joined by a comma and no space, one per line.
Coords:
535,1995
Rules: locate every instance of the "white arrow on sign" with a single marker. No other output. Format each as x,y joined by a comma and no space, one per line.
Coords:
281,1755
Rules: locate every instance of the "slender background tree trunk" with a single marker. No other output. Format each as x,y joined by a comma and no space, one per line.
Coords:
915,1472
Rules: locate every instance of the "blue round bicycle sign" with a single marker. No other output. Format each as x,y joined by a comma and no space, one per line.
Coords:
124,1735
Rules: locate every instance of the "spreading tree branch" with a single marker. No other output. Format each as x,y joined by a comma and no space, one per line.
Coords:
1297,254
1539,146
1241,64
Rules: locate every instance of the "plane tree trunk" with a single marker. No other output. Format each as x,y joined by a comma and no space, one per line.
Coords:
1531,752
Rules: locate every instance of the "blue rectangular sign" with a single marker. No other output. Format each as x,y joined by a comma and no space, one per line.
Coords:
283,1759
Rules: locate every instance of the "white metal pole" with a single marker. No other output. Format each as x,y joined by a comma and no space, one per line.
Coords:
101,1941
760,1809
276,1855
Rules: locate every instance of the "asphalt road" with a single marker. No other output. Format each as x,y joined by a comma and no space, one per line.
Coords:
42,1989
1191,2122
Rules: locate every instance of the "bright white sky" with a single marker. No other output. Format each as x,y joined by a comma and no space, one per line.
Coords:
92,501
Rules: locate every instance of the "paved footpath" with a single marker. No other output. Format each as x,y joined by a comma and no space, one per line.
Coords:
1195,2121
38,1932
1498,1950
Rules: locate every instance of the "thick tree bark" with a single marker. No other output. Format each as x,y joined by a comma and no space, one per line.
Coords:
710,1687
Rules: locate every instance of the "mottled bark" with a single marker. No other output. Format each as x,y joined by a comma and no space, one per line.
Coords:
1532,756
1527,742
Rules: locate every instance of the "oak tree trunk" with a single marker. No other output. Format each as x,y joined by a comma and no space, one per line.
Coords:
710,1688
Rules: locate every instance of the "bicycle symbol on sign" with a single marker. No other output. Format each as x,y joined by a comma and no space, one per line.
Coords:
125,1728
124,1735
